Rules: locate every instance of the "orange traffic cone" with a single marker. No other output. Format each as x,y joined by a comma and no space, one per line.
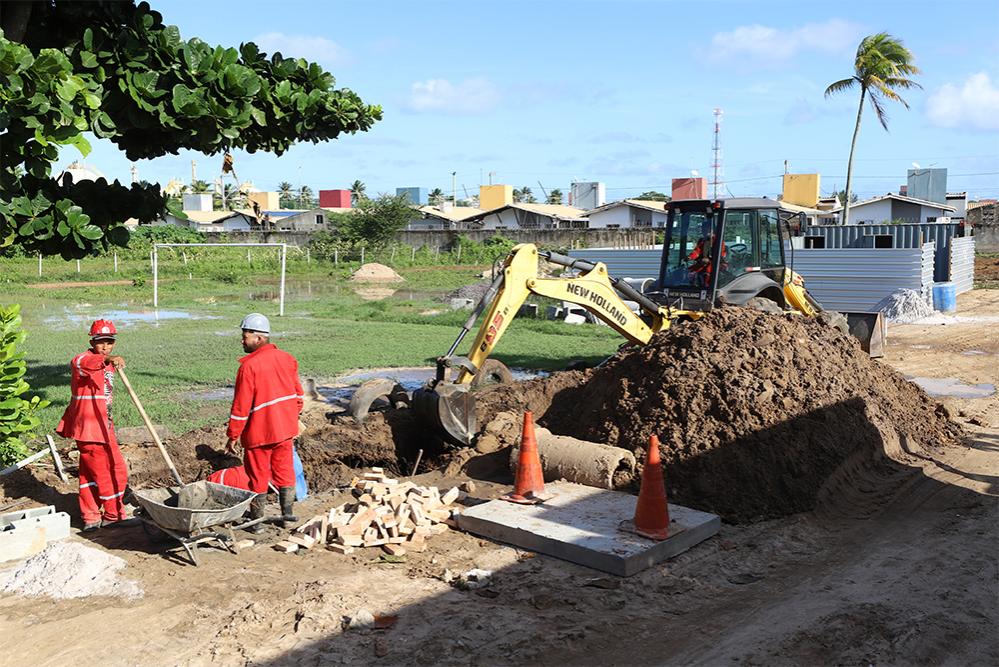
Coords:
652,511
529,483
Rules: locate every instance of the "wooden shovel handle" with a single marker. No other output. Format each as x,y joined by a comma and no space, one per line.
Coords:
149,425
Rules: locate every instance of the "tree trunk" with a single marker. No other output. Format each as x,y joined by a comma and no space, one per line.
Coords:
849,164
15,19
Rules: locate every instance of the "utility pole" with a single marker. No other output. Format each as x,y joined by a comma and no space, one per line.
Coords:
454,188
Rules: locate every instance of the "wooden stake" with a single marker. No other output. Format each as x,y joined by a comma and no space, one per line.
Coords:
57,459
149,426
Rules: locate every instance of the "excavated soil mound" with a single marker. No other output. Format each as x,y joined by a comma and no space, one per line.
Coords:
758,415
376,273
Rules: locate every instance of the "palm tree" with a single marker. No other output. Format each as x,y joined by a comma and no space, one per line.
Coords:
435,197
881,68
305,196
523,195
555,196
357,189
200,188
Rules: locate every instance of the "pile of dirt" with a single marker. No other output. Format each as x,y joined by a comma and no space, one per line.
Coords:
904,306
473,291
758,415
68,569
376,273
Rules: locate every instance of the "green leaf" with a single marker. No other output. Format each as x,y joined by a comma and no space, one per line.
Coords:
81,144
92,232
88,39
88,59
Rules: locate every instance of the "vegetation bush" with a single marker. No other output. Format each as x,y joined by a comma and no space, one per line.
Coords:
17,414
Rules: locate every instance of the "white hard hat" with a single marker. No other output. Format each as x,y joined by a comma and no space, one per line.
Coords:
255,322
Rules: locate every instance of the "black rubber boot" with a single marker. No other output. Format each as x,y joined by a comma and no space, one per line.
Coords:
286,495
257,512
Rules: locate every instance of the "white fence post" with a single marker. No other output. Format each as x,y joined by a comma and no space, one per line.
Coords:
39,265
156,279
413,258
116,261
458,261
362,254
77,266
284,257
184,255
336,255
308,257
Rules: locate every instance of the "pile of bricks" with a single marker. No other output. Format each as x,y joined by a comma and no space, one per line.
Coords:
385,513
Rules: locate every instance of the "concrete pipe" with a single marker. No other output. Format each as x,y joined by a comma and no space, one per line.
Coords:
580,461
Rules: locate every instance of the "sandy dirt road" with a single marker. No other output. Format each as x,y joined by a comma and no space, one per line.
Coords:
895,573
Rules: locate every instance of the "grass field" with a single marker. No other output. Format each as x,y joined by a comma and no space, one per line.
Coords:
194,345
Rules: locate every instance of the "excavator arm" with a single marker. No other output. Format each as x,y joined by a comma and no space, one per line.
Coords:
592,289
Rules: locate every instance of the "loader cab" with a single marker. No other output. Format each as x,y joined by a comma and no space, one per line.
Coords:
721,252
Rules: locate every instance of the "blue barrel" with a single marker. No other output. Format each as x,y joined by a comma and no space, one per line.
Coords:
945,297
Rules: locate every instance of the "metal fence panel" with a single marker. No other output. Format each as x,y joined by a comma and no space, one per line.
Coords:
856,279
630,263
962,263
903,235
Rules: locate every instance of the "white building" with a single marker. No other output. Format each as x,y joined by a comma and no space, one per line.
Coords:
443,217
211,221
628,214
531,216
896,208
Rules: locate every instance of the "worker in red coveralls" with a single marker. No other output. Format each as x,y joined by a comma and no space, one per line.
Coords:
103,474
264,417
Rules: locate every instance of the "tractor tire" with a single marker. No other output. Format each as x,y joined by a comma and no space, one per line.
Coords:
492,372
765,305
371,391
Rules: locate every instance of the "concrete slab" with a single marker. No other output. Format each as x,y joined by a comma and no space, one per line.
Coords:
25,533
581,524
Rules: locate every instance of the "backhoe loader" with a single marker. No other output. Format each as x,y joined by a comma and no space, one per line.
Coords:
711,256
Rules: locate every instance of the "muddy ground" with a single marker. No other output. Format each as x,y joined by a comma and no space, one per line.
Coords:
903,573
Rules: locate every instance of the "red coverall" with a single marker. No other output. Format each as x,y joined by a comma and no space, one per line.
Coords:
235,477
103,474
265,413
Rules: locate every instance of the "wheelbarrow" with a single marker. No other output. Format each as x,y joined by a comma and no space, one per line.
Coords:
195,513
189,512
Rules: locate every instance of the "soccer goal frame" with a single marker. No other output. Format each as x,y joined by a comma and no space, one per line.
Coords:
156,263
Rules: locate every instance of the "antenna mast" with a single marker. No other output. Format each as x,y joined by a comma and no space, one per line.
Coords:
716,166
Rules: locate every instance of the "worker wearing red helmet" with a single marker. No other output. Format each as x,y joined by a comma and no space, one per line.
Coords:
88,420
264,419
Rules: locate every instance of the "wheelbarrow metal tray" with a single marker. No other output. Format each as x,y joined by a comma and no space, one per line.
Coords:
194,506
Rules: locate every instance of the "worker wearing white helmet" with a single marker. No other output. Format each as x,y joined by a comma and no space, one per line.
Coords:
264,417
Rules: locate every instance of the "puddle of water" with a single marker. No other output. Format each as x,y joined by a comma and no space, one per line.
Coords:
70,319
973,353
221,394
954,388
921,347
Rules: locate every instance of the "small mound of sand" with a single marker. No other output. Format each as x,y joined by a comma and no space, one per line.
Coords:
904,306
376,273
69,569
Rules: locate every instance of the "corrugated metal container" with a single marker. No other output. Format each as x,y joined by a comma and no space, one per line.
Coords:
856,279
623,263
962,263
903,236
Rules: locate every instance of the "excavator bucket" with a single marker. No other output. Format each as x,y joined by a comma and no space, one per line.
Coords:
450,408
871,330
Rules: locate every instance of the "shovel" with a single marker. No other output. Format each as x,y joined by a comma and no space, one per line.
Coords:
149,425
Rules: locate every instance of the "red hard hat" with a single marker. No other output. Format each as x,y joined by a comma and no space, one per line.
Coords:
103,329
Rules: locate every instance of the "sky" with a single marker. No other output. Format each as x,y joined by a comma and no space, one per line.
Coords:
548,92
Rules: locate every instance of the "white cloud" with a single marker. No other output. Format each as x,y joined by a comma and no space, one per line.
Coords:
974,105
760,43
471,96
314,49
